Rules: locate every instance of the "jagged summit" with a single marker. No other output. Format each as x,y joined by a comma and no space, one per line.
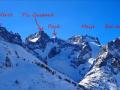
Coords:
64,56
22,70
37,40
77,39
105,73
114,44
10,36
81,58
38,37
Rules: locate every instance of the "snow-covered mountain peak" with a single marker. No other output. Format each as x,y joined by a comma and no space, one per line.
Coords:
106,70
115,43
55,64
87,42
64,56
37,37
34,38
80,39
37,40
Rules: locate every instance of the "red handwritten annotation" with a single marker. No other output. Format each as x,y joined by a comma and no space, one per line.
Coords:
2,14
112,26
26,14
107,26
88,26
84,26
53,26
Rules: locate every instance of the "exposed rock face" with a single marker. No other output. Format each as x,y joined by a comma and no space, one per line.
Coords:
80,58
21,70
10,37
68,57
53,52
8,62
37,40
105,73
81,39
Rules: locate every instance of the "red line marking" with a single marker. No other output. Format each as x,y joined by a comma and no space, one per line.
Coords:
37,23
54,33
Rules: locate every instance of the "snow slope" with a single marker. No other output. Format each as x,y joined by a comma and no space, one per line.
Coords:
73,57
105,74
29,65
20,70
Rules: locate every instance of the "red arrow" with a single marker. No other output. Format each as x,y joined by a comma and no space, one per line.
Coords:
39,28
54,33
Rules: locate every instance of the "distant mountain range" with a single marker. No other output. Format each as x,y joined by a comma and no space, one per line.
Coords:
45,63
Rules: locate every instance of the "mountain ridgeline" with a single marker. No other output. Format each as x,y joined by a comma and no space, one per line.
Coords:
81,61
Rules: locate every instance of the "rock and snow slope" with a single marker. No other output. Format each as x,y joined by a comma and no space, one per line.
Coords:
105,74
73,57
20,70
80,58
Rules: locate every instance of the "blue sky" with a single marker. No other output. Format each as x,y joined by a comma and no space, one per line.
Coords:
69,14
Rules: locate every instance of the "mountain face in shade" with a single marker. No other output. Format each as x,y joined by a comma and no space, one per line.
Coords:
68,57
105,74
10,37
